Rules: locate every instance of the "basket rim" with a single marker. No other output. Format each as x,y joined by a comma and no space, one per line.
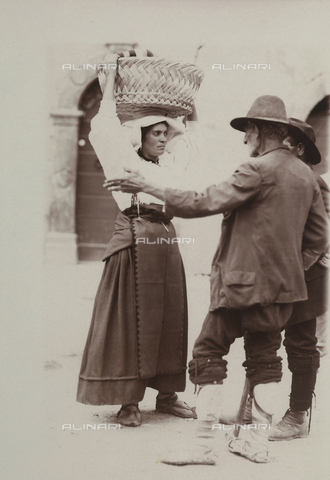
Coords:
171,110
157,59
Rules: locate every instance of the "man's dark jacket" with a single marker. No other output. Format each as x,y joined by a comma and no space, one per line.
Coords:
274,227
316,278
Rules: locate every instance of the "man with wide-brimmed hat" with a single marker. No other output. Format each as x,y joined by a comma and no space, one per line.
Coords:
274,228
300,332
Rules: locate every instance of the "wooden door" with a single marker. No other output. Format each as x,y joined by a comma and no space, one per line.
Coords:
96,209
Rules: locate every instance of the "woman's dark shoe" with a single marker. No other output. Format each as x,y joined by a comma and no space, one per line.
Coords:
172,405
130,415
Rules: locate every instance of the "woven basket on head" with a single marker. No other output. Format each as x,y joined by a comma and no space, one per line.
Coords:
156,82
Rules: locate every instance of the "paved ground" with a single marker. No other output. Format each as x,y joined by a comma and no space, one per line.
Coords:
133,453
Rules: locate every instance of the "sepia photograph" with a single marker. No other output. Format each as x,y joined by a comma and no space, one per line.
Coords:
165,209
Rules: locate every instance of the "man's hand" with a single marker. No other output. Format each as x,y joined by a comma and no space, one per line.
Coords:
324,261
133,182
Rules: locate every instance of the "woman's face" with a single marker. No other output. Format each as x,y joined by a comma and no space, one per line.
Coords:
155,141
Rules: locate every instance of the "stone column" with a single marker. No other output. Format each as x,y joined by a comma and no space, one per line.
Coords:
61,238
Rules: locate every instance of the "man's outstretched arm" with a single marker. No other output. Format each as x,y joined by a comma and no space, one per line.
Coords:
243,185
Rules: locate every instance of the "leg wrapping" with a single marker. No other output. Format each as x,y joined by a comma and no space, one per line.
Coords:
303,367
207,370
303,362
265,369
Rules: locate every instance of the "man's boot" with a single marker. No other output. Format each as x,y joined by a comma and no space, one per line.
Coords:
201,449
293,425
296,421
253,442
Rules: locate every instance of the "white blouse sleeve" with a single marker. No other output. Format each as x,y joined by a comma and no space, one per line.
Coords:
110,141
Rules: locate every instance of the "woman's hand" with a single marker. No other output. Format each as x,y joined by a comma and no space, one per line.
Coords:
106,72
132,182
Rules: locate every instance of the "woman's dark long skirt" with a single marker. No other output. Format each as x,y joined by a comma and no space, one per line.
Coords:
109,372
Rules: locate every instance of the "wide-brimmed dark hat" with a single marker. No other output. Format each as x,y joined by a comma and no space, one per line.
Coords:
306,134
268,108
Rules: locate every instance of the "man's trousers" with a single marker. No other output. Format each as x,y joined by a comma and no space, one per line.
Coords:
261,329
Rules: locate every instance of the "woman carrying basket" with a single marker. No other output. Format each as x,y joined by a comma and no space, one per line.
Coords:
138,332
